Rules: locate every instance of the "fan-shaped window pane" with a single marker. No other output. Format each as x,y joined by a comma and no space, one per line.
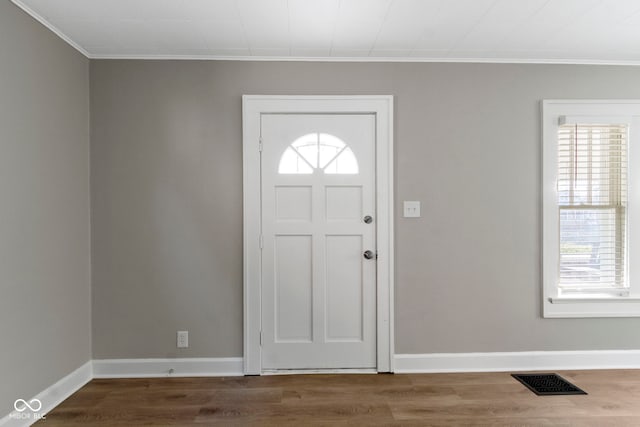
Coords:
307,147
292,163
345,163
318,151
329,147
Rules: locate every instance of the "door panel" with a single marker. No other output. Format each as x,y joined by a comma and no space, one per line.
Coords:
318,291
343,203
344,304
293,203
293,288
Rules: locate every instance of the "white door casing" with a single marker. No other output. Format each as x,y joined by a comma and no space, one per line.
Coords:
294,321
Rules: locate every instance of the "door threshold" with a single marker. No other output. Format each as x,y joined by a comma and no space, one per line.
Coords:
319,371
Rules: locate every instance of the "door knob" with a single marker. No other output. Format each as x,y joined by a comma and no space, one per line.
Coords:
369,255
368,219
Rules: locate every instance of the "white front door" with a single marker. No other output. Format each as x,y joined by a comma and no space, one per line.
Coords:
318,222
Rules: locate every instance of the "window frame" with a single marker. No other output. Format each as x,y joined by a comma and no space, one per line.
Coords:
585,305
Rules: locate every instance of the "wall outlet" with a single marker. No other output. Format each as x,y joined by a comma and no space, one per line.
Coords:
183,339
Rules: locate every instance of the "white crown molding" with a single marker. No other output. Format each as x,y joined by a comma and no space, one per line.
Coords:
516,361
541,61
50,26
51,397
152,368
152,57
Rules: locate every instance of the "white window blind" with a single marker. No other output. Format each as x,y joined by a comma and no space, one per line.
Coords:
592,200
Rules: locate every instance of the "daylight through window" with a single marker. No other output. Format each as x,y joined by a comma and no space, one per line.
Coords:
592,200
318,151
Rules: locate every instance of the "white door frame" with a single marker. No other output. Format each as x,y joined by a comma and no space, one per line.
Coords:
253,107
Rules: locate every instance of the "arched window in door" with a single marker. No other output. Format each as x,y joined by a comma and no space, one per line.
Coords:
318,151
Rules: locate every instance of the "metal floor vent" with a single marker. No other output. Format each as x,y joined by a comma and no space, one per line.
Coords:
547,384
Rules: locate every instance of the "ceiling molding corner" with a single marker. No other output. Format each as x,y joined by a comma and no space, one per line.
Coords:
51,27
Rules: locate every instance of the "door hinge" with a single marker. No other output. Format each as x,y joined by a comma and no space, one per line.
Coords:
260,144
261,241
260,338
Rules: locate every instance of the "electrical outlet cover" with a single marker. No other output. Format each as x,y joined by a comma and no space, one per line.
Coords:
183,339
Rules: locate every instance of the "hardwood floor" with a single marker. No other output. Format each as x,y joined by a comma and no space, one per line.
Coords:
476,399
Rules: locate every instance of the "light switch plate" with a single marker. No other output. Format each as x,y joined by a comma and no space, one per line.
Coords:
411,209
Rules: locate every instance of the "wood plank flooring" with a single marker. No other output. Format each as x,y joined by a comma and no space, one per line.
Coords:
474,399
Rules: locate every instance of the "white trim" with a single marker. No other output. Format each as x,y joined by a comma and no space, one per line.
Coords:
317,371
517,361
403,363
53,395
51,27
585,309
542,61
612,299
126,368
153,368
252,108
155,57
574,306
417,60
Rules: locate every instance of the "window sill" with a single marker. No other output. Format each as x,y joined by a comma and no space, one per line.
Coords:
597,299
595,306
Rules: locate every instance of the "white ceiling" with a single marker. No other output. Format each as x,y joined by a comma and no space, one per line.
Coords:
572,31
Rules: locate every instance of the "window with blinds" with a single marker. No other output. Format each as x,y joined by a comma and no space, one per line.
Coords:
592,200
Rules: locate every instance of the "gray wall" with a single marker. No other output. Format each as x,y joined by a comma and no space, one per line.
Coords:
45,280
167,201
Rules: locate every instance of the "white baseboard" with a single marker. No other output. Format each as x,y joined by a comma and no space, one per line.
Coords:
404,363
516,361
150,368
318,371
50,397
